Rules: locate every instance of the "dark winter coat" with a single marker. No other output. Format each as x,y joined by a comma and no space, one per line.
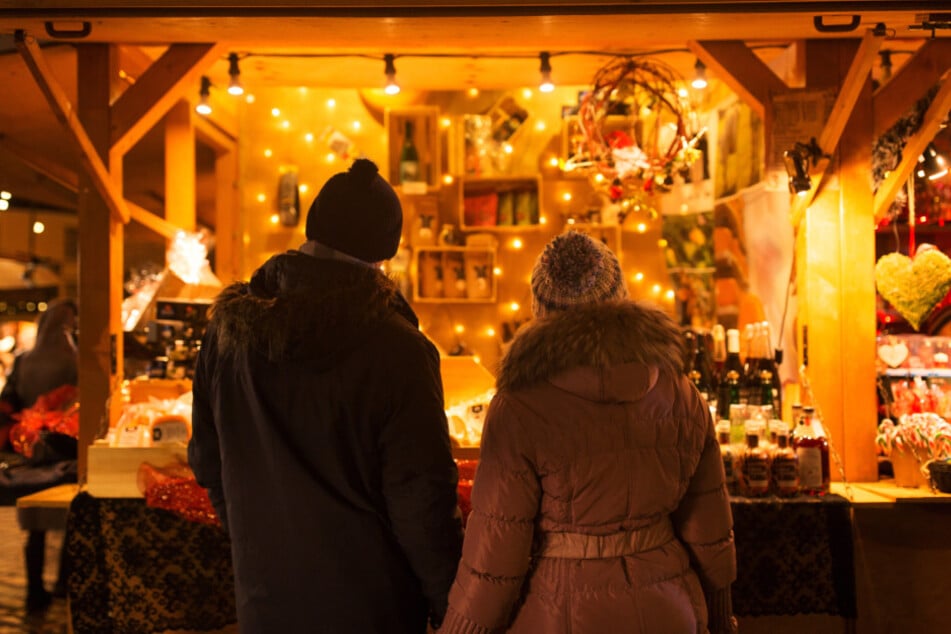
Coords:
595,432
320,434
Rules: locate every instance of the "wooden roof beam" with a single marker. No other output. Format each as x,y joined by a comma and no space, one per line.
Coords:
151,221
852,85
64,112
914,146
896,97
59,174
161,86
740,69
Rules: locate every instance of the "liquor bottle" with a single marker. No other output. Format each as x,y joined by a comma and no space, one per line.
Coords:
409,156
751,360
813,452
727,454
768,362
701,370
719,351
754,473
732,363
761,394
784,468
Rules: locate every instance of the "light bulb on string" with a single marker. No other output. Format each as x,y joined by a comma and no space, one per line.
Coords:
700,77
391,87
546,84
204,108
234,85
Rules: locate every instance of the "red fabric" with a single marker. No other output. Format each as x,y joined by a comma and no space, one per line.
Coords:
56,411
174,489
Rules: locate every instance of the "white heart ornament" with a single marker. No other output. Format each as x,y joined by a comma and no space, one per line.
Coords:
893,354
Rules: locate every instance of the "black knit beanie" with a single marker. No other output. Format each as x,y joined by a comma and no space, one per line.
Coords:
357,212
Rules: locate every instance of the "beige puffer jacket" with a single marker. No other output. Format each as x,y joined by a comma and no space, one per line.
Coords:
595,446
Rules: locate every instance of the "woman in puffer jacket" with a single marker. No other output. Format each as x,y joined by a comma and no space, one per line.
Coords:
599,504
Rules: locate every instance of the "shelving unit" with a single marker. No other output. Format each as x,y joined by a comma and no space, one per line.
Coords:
454,274
500,203
425,121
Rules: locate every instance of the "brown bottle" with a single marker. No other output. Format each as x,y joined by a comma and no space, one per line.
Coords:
784,469
728,455
813,452
754,474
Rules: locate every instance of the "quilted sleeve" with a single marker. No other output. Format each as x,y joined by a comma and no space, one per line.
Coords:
497,547
703,520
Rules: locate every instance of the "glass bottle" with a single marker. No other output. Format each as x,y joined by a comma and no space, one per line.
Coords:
719,351
727,454
409,156
813,452
754,474
768,362
732,363
784,468
701,370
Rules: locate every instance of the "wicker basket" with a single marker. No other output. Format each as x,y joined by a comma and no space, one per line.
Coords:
940,472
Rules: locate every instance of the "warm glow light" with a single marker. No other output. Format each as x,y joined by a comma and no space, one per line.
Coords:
459,328
507,148
490,332
5,195
7,343
331,157
497,271
38,227
646,111
684,208
445,122
542,220
246,239
514,307
309,137
566,197
249,98
655,289
356,126
477,358
638,277
922,219
662,243
304,188
527,93
683,92
268,153
447,179
331,103
599,178
553,161
473,92
261,198
517,243
641,227
285,124
275,112
571,221
275,219
4,204
669,295
540,126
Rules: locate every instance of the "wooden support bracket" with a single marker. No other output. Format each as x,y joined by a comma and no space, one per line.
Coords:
852,85
740,69
60,174
152,221
914,146
64,112
899,94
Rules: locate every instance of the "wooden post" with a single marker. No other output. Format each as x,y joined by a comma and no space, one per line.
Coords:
836,283
180,167
100,269
228,245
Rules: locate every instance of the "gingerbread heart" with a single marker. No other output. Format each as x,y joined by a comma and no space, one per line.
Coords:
913,286
893,354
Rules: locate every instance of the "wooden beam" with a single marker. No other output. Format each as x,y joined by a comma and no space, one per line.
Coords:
210,133
740,69
855,79
914,146
59,174
63,110
896,97
180,166
163,84
157,224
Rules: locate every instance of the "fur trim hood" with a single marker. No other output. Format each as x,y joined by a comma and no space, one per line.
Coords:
299,306
603,351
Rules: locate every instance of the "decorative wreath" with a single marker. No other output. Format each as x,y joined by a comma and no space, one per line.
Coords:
635,127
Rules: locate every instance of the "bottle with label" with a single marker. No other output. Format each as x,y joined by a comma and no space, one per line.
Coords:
727,454
701,370
409,156
719,350
784,468
761,395
768,362
754,473
732,363
728,396
813,452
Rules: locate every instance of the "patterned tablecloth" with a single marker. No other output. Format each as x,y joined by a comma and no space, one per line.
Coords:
139,569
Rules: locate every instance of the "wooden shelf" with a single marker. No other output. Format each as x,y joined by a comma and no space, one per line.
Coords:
500,203
454,275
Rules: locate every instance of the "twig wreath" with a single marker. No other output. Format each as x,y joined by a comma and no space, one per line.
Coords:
636,131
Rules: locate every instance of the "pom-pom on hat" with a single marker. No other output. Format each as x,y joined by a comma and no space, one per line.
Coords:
575,270
357,212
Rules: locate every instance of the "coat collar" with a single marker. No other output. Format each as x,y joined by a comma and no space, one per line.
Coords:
607,352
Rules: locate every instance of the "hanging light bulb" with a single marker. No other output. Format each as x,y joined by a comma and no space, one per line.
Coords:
234,86
203,107
700,78
931,164
546,84
391,87
886,61
797,169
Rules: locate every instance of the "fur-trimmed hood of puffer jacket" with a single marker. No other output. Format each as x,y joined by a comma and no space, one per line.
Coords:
298,306
596,336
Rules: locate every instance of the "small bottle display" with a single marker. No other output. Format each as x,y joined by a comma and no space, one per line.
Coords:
813,452
727,454
784,468
409,157
754,473
732,363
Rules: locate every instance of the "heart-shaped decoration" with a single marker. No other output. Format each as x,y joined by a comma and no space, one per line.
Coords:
914,286
893,354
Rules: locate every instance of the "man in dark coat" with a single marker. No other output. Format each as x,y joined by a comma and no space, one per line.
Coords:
320,434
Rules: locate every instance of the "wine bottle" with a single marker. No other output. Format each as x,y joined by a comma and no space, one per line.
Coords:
409,156
733,363
701,369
